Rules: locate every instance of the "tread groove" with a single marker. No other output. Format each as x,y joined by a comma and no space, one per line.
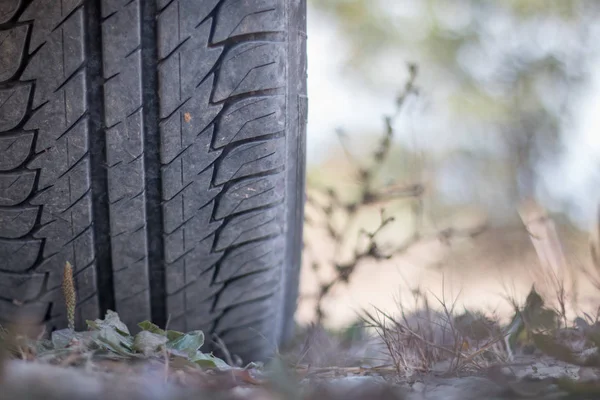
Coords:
97,146
152,156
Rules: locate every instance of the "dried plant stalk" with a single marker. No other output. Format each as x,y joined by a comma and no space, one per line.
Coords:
68,287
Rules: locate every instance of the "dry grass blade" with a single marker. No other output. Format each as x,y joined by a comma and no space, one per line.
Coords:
427,340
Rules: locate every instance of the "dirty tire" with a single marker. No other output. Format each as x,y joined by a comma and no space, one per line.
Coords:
158,146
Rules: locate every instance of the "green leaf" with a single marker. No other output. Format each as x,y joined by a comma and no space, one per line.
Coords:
209,361
111,319
150,327
112,334
172,335
148,343
189,343
109,338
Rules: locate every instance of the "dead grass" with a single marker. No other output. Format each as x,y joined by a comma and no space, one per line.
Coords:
437,340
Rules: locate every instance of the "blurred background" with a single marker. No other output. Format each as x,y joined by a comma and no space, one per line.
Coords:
495,123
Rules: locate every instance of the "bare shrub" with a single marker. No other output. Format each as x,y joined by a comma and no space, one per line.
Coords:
328,212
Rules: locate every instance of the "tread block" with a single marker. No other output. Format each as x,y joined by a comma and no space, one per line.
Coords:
65,226
8,9
124,142
17,222
15,187
251,226
185,204
47,17
70,189
121,35
127,217
245,314
30,312
129,285
250,287
192,306
250,118
57,59
250,258
62,110
14,150
86,310
189,166
66,152
123,92
251,158
244,17
84,275
180,21
201,316
250,67
79,252
185,238
109,7
189,267
18,255
130,247
19,287
13,105
126,183
189,125
12,48
251,193
200,290
181,74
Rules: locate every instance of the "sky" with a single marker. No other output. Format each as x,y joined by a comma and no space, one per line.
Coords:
336,101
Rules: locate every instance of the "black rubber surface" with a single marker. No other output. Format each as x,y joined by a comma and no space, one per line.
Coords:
159,147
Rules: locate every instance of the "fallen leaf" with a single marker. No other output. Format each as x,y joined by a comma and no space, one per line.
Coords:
148,343
150,327
209,361
111,319
189,343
